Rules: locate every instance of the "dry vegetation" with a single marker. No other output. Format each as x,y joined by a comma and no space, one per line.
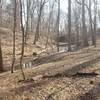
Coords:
6,35
47,53
53,77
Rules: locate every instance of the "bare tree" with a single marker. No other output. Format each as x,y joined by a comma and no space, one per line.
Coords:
42,3
49,23
32,10
77,13
22,28
1,12
84,30
69,25
58,24
27,21
91,23
1,60
14,29
95,22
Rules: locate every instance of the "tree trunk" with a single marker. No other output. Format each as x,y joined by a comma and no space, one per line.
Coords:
58,23
84,30
27,21
22,28
77,17
42,3
95,22
91,25
38,24
69,25
1,60
1,12
14,28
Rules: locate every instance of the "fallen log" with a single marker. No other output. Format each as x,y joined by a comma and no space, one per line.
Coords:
81,74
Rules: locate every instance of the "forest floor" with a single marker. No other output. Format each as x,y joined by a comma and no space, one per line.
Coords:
7,46
61,76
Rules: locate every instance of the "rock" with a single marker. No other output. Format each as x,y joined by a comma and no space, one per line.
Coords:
37,78
91,82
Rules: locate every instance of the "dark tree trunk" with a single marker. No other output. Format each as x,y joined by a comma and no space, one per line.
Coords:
1,60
